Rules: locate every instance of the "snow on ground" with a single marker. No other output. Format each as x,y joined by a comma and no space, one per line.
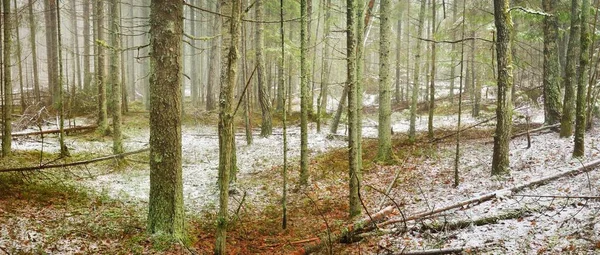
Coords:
562,224
200,163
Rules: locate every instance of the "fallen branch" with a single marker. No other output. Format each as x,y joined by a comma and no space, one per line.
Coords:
53,131
504,192
448,226
464,129
435,251
76,163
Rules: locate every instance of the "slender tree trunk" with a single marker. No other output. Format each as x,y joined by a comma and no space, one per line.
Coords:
503,21
64,151
551,76
568,113
7,109
165,213
385,109
19,59
582,82
226,132
452,54
51,52
283,117
75,31
100,68
304,93
194,70
33,45
325,66
351,42
476,87
87,76
213,68
432,76
415,89
399,90
407,36
115,74
264,99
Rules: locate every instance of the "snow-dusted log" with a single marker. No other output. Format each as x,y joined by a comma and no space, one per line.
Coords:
76,163
55,131
499,193
435,251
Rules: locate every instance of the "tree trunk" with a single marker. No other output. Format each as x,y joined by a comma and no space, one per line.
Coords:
582,82
100,68
213,68
568,114
432,75
165,213
551,76
87,76
64,152
19,59
503,21
51,52
351,42
415,89
304,93
74,24
7,109
399,92
325,67
115,74
384,147
264,99
33,45
453,56
226,132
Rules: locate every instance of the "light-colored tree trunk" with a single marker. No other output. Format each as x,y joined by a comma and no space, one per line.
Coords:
87,75
266,128
19,59
304,93
325,67
33,45
226,131
384,152
115,74
503,21
100,68
399,93
51,52
165,213
213,68
432,75
354,208
417,73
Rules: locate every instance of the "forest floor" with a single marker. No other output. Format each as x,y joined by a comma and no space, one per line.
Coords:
101,207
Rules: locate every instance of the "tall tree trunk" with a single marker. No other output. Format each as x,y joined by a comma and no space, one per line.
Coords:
582,81
100,68
399,90
351,42
33,45
417,71
476,87
551,76
325,67
75,31
432,76
19,59
503,21
568,113
304,93
7,109
226,131
213,68
51,52
453,54
165,213
407,36
64,152
115,74
194,70
283,117
264,99
384,152
87,76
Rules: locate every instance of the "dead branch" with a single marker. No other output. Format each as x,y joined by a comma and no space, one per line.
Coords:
76,163
435,251
53,131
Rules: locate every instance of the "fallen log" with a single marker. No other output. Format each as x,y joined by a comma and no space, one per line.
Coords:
435,251
455,225
76,163
504,192
54,131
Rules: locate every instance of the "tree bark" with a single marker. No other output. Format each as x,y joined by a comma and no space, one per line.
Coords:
432,75
551,75
351,42
19,59
7,109
417,73
384,129
115,74
582,82
33,45
100,67
52,48
165,214
568,114
213,68
264,99
503,21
